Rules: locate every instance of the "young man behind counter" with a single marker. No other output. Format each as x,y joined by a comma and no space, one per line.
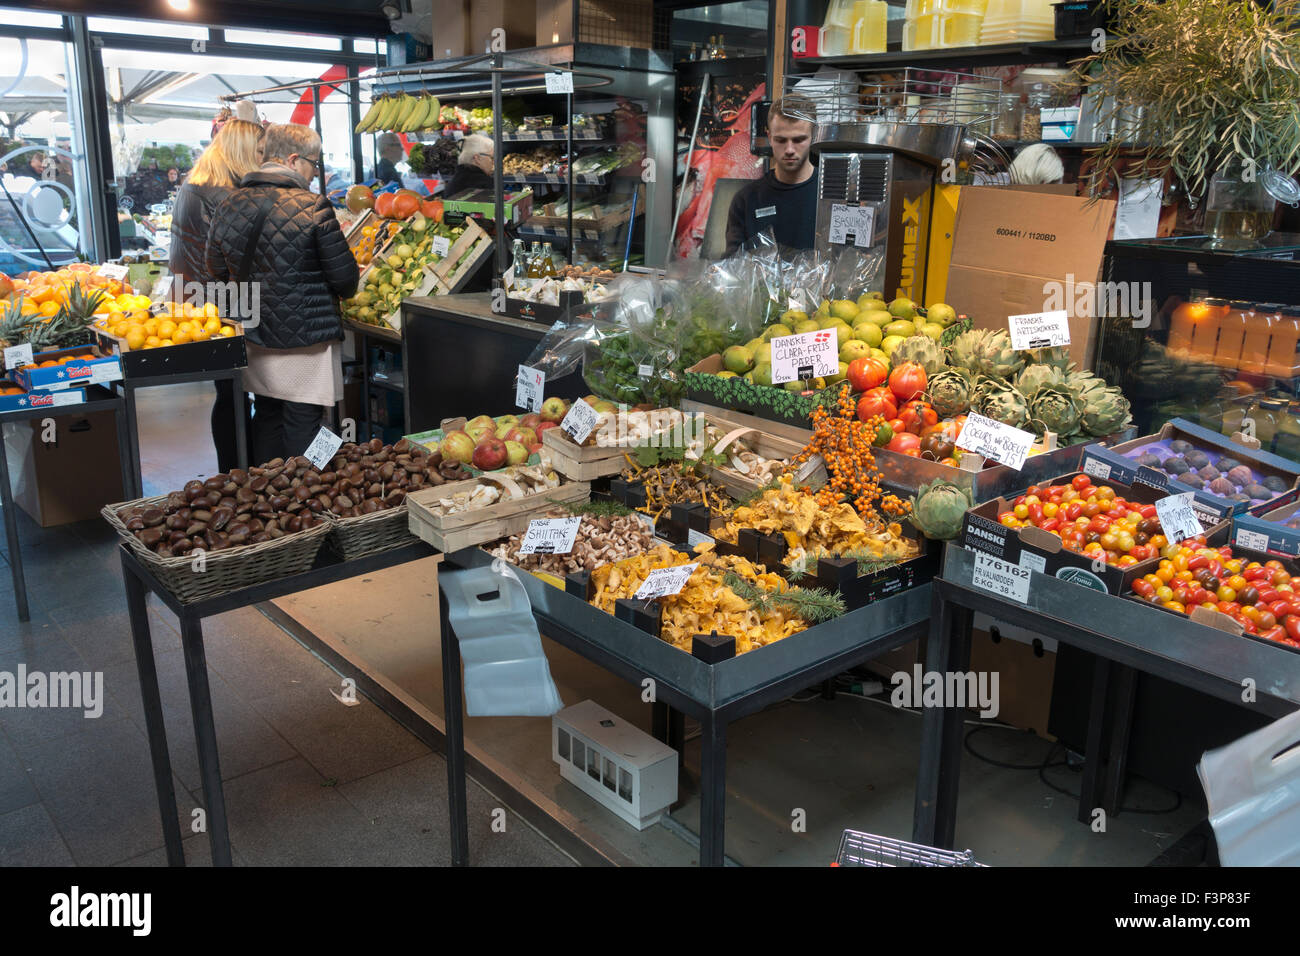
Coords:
784,200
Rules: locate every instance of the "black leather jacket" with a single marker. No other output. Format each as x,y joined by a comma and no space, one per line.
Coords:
191,220
302,261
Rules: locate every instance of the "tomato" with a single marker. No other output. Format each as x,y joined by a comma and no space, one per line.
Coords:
917,414
1007,518
906,443
1073,510
1292,624
384,205
1147,511
1144,588
1142,552
878,401
1274,633
907,381
1198,562
1282,609
1050,524
1267,595
432,209
883,435
864,374
1099,524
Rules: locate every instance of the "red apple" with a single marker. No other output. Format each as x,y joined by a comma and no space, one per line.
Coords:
535,449
554,409
457,446
531,420
525,436
545,427
490,454
481,426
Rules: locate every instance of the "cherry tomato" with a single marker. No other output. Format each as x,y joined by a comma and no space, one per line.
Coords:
1080,482
1143,588
1266,620
1073,510
1036,513
1021,511
1099,524
1148,512
1274,633
1267,595
1250,613
1226,593
1198,562
1050,524
1292,624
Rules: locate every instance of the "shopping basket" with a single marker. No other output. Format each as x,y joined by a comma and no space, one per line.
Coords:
867,849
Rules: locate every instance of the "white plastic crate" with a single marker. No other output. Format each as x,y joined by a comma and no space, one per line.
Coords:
615,763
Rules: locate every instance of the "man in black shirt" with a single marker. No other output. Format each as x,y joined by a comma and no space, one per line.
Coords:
784,200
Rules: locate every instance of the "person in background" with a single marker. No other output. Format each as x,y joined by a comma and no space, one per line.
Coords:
235,151
294,249
474,168
390,154
784,200
173,178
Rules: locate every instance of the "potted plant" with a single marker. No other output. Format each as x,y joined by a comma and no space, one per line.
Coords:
1217,83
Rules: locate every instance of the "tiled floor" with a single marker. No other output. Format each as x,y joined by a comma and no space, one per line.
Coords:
308,780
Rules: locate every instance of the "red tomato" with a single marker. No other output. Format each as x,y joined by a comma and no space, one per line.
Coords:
1143,588
1275,633
1080,482
1141,552
907,381
1073,510
878,401
1099,524
384,205
1267,596
1147,511
1282,609
897,425
918,414
432,209
864,374
906,443
1292,624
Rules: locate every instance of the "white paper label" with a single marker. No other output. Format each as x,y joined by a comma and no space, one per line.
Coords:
322,448
1039,330
441,246
665,581
1138,215
550,536
1252,539
694,537
1177,519
855,221
805,356
1034,562
1097,469
112,270
579,422
17,356
162,289
559,82
645,371
1001,578
992,439
105,372
528,388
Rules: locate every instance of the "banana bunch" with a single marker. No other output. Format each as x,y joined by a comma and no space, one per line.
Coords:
402,113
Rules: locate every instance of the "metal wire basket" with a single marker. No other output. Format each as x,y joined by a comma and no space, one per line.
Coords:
909,96
867,849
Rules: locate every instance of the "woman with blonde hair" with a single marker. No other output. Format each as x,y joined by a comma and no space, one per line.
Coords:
235,151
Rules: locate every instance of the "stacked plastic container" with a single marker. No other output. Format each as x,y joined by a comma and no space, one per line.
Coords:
854,27
1017,21
942,24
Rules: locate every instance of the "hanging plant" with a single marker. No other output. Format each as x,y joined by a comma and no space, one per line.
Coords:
1219,81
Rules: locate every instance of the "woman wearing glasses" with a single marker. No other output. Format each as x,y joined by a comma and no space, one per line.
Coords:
284,241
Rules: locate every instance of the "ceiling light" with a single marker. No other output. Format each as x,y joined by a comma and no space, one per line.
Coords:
391,9
181,5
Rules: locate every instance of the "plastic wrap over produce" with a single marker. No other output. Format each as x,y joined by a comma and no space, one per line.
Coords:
506,671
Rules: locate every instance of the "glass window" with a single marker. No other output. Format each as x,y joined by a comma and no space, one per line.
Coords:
24,18
296,41
147,28
364,45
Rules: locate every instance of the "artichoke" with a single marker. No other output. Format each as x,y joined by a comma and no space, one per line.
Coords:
1080,382
997,358
1106,410
1055,409
1004,404
922,350
964,350
1035,377
950,392
937,509
1056,357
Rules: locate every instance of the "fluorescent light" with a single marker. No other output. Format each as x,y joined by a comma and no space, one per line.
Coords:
181,5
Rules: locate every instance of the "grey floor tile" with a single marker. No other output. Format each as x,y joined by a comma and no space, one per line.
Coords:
407,805
288,815
101,633
98,788
16,789
342,742
257,658
28,837
245,741
198,852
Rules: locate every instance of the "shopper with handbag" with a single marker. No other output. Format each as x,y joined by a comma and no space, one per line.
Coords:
234,152
274,232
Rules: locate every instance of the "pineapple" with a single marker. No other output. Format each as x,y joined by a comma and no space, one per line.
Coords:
13,324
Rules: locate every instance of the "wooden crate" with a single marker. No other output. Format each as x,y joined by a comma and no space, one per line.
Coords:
579,463
468,528
474,245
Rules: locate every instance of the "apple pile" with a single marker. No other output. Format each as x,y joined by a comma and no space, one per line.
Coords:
489,444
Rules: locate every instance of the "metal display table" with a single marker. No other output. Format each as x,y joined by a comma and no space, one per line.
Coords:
1125,636
139,580
128,386
714,694
101,401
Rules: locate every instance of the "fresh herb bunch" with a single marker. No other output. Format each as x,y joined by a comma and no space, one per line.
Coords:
599,509
814,605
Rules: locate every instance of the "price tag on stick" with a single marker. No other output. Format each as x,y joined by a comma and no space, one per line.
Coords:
17,356
550,536
1039,330
579,421
992,439
323,448
1001,578
528,388
665,581
1177,519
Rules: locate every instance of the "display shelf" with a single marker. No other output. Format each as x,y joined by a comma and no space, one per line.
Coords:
556,179
554,135
548,233
1041,51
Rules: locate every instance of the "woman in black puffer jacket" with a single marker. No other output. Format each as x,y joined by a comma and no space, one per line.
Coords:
235,151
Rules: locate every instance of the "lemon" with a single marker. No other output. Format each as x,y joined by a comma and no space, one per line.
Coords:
181,338
166,329
228,331
212,325
135,338
152,342
202,335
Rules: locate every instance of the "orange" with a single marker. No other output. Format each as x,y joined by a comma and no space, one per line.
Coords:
49,309
165,328
212,325
180,338
210,310
201,335
152,342
135,338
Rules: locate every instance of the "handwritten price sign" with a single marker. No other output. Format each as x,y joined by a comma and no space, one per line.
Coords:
992,439
805,356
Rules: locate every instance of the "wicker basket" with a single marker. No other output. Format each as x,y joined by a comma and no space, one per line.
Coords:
369,534
227,570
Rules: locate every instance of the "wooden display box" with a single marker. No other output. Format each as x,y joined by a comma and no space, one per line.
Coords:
467,528
764,443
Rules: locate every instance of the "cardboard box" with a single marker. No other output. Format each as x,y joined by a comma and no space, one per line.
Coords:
68,479
24,401
98,371
1010,244
450,29
1026,671
1268,532
517,18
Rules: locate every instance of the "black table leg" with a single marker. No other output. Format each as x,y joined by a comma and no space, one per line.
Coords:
1094,762
934,819
713,789
1121,710
128,467
133,437
241,435
455,737
153,715
11,534
205,735
677,734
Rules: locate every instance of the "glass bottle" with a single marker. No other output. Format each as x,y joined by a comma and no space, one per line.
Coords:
1283,343
720,52
1239,206
694,54
1205,331
1259,327
1006,126
1031,122
708,48
1232,335
534,262
520,267
548,262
